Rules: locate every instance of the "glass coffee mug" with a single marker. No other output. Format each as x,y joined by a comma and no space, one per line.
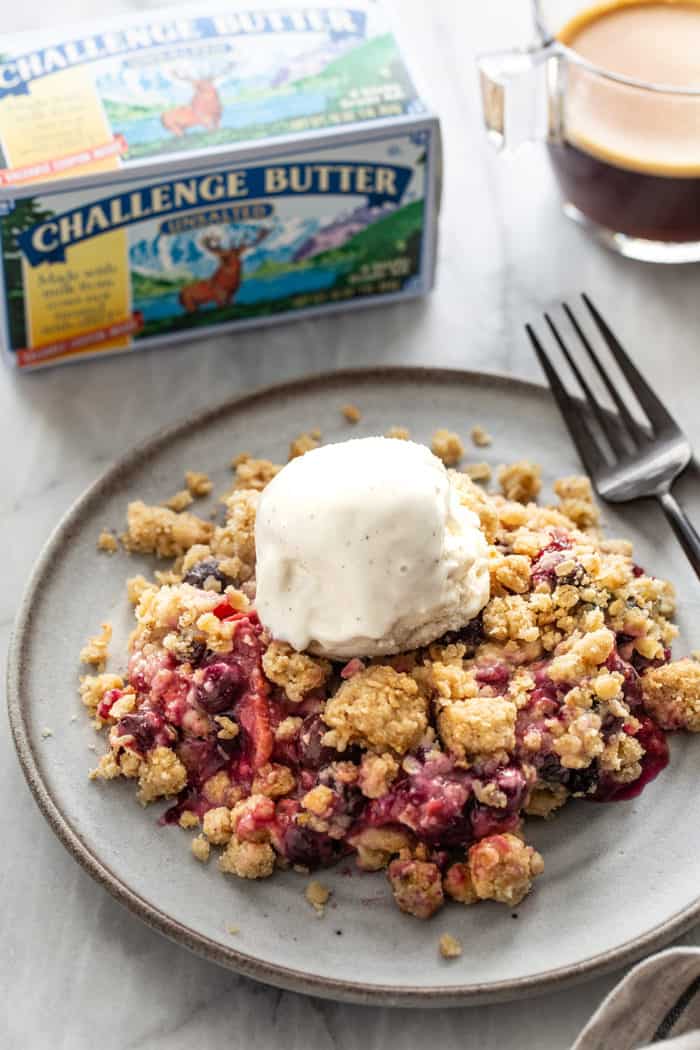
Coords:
625,148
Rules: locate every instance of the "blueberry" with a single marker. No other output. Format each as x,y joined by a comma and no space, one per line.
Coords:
221,685
310,848
203,570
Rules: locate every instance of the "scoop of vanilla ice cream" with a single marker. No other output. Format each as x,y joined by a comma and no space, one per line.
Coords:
363,549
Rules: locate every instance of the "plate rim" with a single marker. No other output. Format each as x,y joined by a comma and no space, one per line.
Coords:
279,975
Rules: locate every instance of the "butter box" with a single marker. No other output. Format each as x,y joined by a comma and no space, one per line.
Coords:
178,171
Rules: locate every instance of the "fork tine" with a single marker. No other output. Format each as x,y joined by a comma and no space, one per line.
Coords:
588,450
655,410
630,424
612,433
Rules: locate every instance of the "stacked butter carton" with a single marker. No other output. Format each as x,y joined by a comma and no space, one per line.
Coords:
168,173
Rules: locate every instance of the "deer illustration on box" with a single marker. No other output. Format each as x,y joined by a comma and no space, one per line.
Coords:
223,284
203,110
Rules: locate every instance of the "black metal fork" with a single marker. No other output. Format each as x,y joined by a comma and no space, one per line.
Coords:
626,459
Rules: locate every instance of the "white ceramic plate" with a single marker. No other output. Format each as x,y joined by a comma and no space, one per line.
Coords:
620,879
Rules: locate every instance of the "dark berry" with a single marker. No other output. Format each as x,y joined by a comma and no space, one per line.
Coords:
312,753
310,848
221,686
203,570
147,728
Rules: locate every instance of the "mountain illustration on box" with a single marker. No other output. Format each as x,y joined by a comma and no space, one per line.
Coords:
222,273
230,94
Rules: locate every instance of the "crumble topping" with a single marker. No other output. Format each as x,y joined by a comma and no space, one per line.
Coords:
450,947
107,542
247,860
502,868
351,413
377,708
253,473
201,848
672,695
427,764
447,446
318,896
478,471
161,531
297,673
96,650
180,501
304,443
198,484
520,481
480,437
399,433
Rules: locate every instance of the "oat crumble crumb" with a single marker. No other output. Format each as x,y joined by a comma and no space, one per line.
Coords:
233,930
180,501
351,413
95,652
46,732
478,471
399,433
161,531
317,895
521,481
107,542
201,848
450,947
447,446
297,673
198,483
480,437
378,708
135,586
302,444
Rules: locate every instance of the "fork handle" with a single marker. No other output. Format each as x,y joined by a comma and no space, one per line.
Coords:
684,529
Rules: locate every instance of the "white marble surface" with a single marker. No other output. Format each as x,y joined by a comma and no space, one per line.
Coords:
77,971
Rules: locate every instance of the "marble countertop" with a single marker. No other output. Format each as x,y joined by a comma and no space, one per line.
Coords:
77,970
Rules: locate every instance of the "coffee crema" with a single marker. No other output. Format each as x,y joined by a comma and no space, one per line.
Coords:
630,159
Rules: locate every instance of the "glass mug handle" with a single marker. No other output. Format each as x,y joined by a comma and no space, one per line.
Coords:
522,94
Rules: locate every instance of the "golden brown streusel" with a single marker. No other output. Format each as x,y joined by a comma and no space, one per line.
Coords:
576,500
672,695
94,687
478,471
198,483
302,444
274,781
377,773
236,539
476,500
376,846
512,572
254,473
135,586
378,708
161,531
216,825
447,446
480,437
417,886
107,542
521,481
161,775
459,885
288,728
351,413
188,820
95,652
182,499
318,896
297,673
477,726
247,860
229,729
450,947
503,867
399,433
201,848
545,799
